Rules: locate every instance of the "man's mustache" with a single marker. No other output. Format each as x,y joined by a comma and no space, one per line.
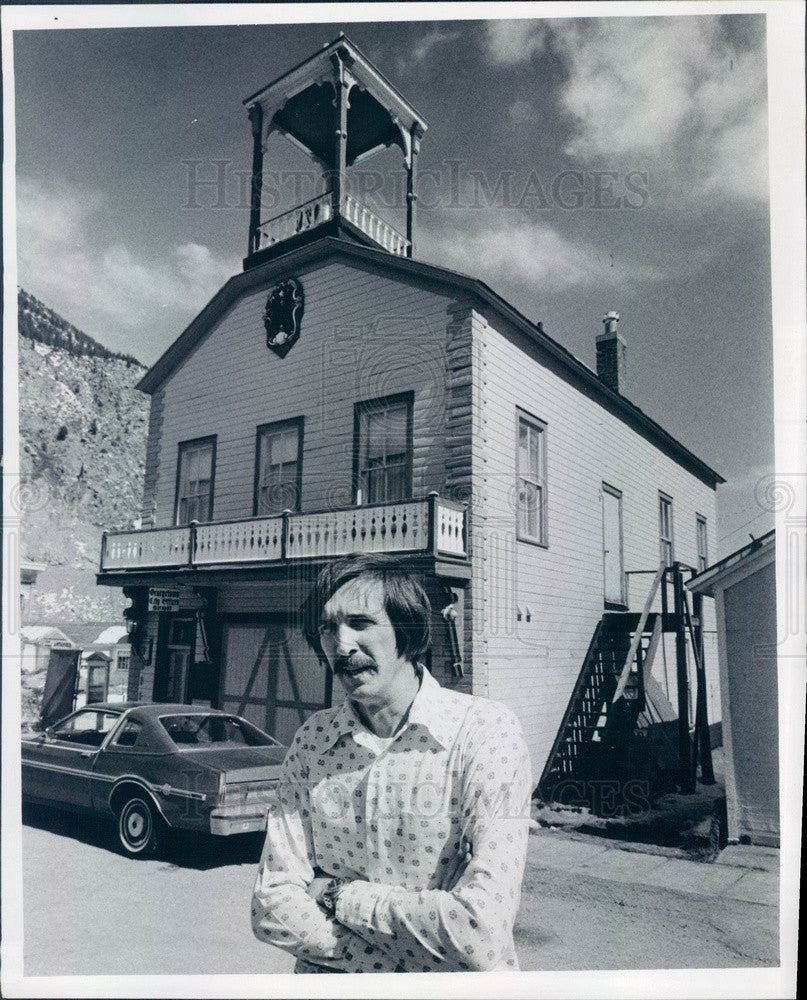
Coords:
347,664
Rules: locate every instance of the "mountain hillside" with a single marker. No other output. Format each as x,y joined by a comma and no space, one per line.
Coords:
82,452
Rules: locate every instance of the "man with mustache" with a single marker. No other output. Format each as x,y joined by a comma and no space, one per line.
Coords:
399,836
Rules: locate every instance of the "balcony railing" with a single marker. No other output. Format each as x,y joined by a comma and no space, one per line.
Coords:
308,216
430,525
319,210
373,226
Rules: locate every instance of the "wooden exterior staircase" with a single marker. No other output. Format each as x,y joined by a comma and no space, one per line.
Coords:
601,736
605,706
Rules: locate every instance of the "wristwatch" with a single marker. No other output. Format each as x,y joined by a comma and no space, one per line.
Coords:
327,899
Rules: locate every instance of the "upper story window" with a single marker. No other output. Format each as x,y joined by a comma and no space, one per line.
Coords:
665,521
278,467
531,492
703,544
383,449
195,476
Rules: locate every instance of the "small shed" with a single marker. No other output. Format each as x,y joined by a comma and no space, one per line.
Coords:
744,588
97,664
36,642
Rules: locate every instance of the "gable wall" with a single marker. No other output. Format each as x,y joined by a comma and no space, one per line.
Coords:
363,336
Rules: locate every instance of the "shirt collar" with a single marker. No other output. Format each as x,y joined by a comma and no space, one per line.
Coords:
431,709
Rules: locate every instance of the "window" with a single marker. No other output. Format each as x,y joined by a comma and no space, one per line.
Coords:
123,661
703,546
383,449
127,737
665,520
278,467
195,474
223,730
531,517
88,727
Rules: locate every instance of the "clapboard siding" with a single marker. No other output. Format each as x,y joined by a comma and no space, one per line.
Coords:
533,665
363,336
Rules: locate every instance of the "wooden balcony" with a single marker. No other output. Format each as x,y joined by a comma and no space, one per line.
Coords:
429,526
320,210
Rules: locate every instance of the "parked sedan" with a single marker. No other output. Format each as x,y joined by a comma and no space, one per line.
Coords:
152,766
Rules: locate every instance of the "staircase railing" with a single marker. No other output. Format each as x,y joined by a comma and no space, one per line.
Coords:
637,635
590,662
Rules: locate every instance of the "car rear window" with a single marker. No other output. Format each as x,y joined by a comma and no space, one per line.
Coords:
214,730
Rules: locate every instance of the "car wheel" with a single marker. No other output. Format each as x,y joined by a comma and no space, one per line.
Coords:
139,827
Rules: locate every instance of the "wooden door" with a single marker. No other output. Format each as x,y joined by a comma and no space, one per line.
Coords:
612,554
271,677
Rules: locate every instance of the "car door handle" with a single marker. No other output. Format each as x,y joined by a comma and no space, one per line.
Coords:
87,753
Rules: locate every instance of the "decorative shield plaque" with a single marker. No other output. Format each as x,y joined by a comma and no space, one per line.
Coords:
282,316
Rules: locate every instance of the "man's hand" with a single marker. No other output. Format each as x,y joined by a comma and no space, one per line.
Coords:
317,886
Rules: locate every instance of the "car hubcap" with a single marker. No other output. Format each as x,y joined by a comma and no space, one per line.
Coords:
135,826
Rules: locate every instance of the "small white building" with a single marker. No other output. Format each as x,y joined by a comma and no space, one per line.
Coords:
104,663
744,588
36,642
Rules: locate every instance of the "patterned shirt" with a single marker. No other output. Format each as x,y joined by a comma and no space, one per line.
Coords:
431,831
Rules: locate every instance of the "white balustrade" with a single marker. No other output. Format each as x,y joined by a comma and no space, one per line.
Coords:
400,527
394,527
374,227
298,220
256,540
449,529
135,549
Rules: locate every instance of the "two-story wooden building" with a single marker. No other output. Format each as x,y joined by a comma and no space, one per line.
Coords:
340,395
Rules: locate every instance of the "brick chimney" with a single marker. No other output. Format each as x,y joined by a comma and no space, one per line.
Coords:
611,350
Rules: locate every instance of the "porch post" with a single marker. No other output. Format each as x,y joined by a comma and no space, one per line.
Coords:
701,708
411,176
342,87
256,119
684,748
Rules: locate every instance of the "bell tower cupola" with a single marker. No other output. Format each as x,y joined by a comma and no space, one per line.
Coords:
339,109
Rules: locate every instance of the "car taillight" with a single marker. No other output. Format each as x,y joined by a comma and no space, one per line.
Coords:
245,793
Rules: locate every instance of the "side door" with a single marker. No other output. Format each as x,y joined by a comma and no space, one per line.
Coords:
57,767
612,548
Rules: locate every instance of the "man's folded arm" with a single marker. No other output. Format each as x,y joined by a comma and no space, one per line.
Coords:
467,927
283,914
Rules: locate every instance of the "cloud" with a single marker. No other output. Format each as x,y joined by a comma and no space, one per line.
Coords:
521,113
436,37
513,254
674,94
111,290
512,42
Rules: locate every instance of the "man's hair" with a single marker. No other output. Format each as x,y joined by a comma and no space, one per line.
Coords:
405,601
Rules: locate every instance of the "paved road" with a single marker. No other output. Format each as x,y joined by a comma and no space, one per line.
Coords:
90,911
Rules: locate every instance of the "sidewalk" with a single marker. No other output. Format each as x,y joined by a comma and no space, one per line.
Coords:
746,873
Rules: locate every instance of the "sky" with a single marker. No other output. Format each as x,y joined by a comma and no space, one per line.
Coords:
577,166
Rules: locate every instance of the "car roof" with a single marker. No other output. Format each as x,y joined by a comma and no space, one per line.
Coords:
153,709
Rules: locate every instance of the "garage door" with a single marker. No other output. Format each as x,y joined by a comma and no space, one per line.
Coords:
271,677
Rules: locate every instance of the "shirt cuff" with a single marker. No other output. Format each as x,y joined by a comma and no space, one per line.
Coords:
356,902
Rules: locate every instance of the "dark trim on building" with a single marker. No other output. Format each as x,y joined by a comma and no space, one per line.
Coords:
662,499
379,403
208,439
299,423
543,512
